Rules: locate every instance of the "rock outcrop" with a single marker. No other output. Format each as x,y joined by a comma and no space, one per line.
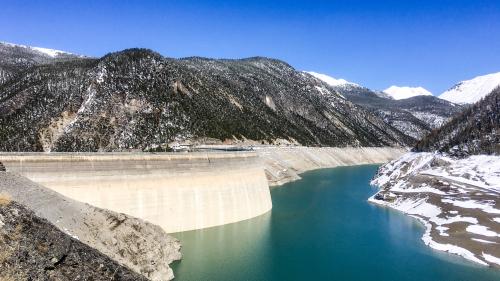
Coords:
138,245
31,248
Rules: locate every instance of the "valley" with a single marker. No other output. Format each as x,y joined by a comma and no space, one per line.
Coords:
134,146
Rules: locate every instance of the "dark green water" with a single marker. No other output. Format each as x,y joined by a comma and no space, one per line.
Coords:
322,228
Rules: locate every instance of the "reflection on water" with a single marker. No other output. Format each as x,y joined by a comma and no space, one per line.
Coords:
321,228
223,252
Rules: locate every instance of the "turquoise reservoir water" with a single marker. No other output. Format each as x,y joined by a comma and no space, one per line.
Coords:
321,228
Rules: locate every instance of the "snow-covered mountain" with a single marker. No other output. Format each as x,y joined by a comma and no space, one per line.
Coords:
415,116
330,80
41,51
471,91
451,183
137,99
474,131
16,58
399,93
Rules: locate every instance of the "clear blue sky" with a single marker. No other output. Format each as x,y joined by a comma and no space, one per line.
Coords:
374,43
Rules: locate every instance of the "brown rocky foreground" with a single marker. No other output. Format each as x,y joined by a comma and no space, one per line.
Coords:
132,243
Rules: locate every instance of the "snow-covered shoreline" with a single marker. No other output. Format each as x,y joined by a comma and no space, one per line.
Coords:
455,199
427,239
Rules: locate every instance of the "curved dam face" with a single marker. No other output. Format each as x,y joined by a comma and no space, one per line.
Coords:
178,192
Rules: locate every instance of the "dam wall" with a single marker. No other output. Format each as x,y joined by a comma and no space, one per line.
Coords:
284,164
177,191
184,191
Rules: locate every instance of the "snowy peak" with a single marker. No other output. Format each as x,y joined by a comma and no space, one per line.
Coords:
399,93
330,80
41,51
471,91
16,58
50,52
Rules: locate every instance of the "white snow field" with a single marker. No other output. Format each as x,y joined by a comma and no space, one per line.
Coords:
399,93
471,91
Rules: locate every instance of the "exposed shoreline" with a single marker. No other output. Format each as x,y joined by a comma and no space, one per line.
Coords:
285,164
455,199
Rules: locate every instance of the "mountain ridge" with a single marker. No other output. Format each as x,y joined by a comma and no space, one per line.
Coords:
472,90
137,99
15,58
414,116
474,131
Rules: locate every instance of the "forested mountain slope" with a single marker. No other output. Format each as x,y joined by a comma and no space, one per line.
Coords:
475,131
139,100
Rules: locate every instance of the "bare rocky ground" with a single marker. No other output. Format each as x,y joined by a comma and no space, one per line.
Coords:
31,248
138,245
458,200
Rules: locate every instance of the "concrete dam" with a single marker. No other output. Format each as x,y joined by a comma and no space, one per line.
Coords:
184,191
179,192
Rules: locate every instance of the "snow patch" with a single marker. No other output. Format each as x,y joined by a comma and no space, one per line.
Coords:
70,234
452,249
323,90
484,241
471,204
442,230
49,52
491,258
399,93
481,230
418,207
449,220
330,80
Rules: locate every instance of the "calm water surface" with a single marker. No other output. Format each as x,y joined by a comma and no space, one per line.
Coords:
321,228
